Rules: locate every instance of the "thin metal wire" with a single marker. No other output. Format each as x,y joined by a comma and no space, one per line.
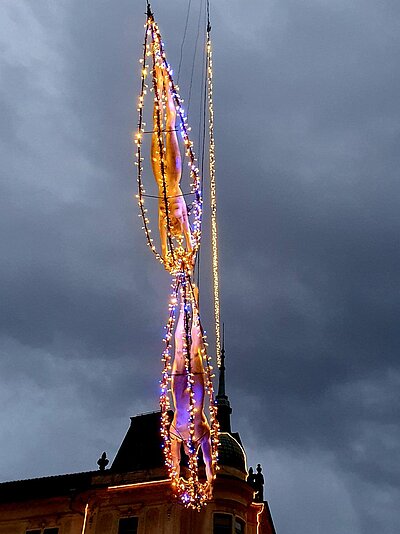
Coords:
164,131
194,58
183,40
173,196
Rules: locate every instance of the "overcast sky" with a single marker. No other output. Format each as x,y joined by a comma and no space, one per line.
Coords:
307,115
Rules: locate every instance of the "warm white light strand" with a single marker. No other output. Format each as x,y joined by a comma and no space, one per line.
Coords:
191,492
213,199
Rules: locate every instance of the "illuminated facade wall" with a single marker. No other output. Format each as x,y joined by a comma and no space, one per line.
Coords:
133,497
135,508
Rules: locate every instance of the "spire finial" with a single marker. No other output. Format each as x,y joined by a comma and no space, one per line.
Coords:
149,11
221,381
103,461
222,401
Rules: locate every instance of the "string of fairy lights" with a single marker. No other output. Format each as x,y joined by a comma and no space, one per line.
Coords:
191,492
179,261
176,254
213,199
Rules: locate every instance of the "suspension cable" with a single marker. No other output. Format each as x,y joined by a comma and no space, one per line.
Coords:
202,132
183,40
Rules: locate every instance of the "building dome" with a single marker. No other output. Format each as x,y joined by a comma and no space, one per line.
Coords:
230,452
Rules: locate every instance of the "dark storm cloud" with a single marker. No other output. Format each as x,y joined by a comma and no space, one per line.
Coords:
307,129
322,274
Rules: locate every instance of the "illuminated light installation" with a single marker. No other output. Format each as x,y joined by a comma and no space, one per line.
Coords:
213,199
191,492
261,506
85,518
136,485
179,262
177,255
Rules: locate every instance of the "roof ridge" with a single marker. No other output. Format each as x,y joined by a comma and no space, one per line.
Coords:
48,477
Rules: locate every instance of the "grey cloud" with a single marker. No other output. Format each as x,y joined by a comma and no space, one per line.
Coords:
307,127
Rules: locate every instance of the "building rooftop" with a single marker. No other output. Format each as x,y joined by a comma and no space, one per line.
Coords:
140,452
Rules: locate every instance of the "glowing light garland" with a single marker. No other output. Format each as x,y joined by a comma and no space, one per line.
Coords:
177,254
191,492
213,199
259,526
85,518
178,262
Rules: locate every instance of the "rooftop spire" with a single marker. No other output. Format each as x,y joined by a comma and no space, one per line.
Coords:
222,401
149,11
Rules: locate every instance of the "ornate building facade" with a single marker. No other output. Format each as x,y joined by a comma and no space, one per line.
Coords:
134,495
